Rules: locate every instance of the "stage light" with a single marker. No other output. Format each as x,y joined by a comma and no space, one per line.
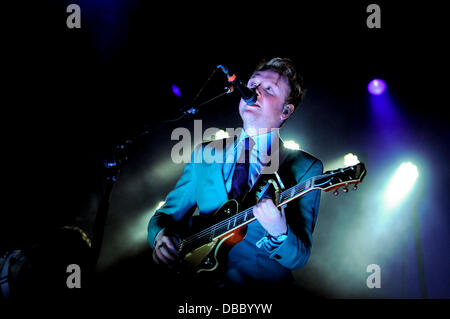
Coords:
401,184
291,145
136,230
350,159
376,87
220,134
160,205
176,90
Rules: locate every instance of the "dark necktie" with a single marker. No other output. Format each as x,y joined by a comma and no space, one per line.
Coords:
239,186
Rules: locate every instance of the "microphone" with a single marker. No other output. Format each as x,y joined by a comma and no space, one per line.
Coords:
250,97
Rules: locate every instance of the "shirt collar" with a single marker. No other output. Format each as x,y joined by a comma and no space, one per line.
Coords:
262,141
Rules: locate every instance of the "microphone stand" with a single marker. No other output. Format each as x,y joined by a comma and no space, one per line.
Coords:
189,109
117,160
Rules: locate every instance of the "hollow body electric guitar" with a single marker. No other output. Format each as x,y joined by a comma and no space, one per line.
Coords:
201,250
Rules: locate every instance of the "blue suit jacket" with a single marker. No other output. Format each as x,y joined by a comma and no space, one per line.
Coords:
202,185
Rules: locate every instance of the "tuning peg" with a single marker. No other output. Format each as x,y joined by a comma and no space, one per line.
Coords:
345,189
335,193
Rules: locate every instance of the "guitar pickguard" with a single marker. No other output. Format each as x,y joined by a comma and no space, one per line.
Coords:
206,257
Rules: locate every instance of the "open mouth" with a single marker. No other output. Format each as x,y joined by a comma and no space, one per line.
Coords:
254,105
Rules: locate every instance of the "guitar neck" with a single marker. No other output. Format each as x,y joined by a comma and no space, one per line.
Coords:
246,216
296,191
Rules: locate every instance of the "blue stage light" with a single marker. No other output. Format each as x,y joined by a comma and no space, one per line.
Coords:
176,90
376,87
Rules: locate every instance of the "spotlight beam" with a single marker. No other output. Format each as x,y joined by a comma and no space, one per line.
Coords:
401,184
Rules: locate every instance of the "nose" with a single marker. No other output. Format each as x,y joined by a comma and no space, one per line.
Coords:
256,90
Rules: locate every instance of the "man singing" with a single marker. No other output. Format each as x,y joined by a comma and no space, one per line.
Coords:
280,239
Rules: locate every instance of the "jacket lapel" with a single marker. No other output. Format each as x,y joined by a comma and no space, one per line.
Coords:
212,175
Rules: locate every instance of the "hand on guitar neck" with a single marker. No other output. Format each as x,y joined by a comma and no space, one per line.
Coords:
165,251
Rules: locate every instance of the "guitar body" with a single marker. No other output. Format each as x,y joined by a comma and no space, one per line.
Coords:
208,257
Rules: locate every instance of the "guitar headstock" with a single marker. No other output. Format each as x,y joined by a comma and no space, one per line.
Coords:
342,177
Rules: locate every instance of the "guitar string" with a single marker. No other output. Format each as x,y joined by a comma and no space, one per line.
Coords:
239,217
205,234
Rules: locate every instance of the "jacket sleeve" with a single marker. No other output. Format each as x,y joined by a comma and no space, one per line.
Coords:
177,203
301,217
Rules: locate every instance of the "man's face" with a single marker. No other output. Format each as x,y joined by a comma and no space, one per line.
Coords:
272,90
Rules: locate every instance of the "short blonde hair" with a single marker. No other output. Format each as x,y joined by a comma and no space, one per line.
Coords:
285,67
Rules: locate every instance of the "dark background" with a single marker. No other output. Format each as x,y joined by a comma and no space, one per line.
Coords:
71,94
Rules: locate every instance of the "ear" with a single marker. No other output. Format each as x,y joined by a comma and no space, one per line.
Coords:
287,111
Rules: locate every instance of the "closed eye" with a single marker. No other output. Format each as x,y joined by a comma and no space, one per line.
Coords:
252,85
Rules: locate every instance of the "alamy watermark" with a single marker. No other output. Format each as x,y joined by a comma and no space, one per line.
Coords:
74,279
374,279
217,150
74,18
374,19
